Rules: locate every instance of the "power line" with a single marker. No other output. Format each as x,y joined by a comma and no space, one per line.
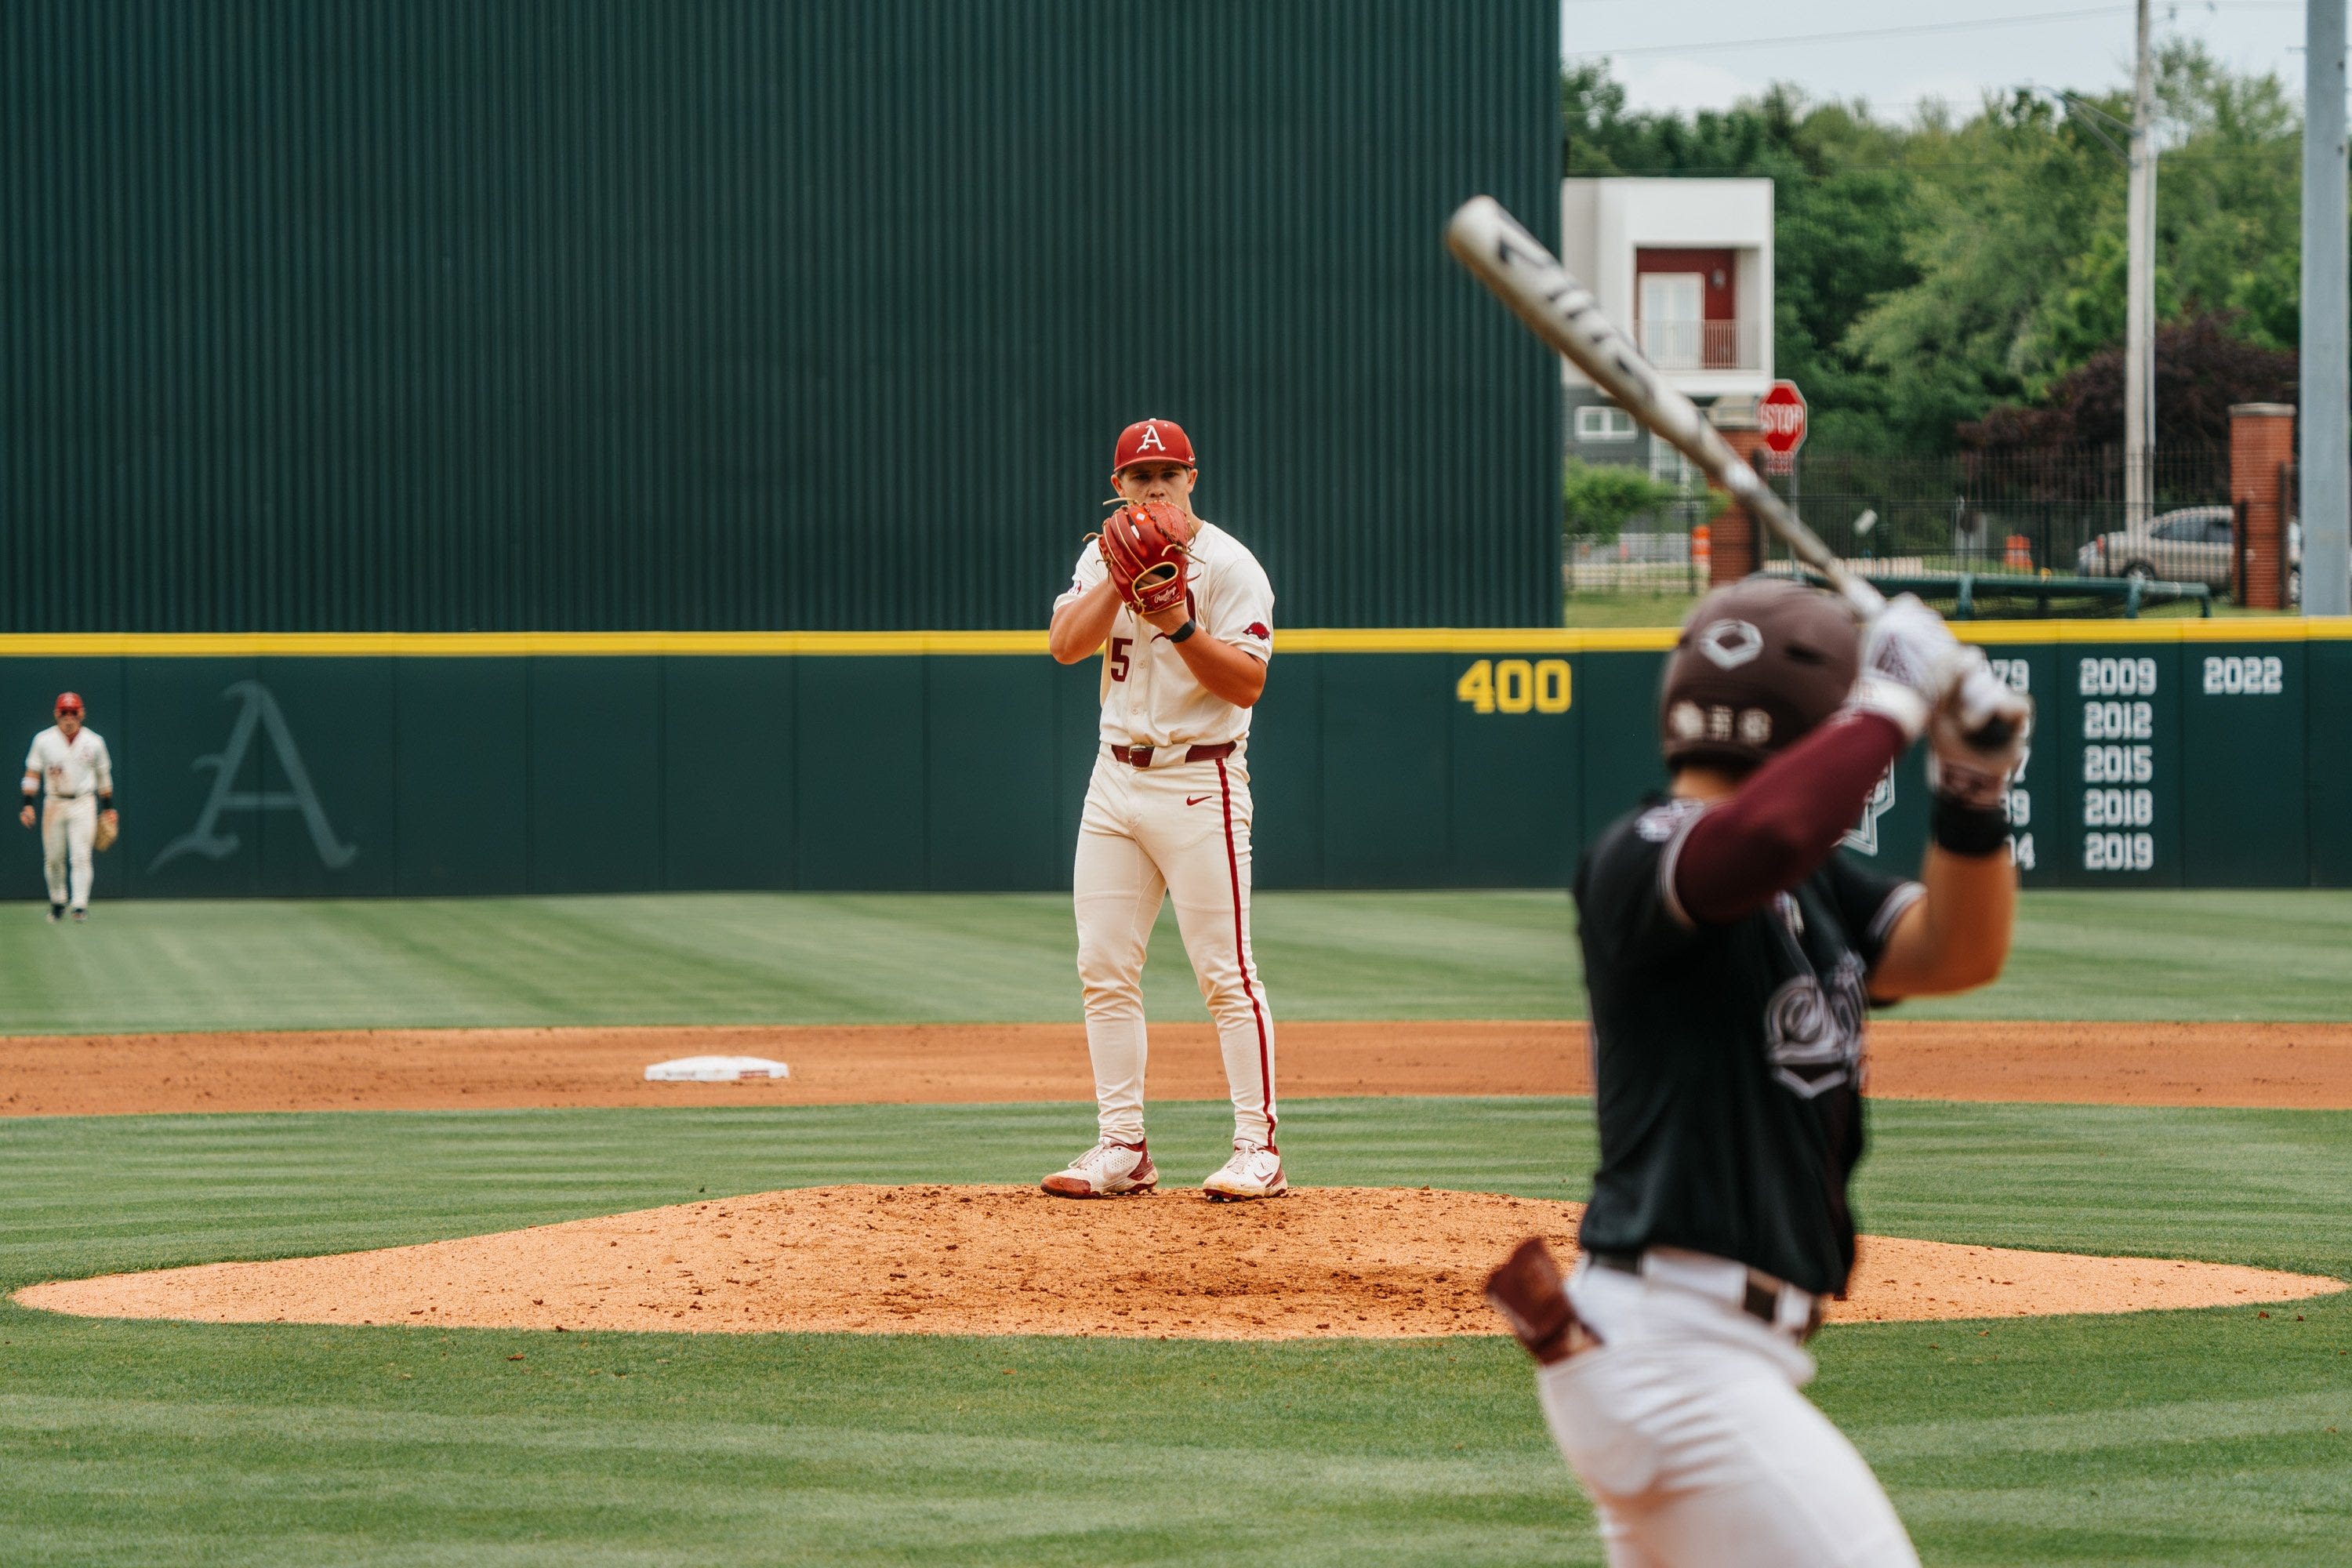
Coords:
1690,47
1909,30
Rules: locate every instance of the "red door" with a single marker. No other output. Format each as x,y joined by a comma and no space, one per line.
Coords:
1719,296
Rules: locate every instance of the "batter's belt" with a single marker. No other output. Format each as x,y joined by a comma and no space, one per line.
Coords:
1140,757
1760,1296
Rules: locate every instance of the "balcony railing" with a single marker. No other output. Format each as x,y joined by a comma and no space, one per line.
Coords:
1703,345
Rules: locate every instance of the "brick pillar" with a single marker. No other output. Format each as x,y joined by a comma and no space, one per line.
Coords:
1737,551
2262,442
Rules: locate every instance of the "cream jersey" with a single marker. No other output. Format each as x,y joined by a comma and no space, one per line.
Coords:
1149,697
68,768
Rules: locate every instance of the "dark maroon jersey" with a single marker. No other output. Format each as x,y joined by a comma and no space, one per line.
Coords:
1726,1059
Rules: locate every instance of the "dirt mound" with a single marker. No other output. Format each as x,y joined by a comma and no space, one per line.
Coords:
1325,1261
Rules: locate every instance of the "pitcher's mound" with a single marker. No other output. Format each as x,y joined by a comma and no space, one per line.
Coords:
1324,1261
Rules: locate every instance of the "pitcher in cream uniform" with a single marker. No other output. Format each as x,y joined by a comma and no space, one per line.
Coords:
1168,815
69,764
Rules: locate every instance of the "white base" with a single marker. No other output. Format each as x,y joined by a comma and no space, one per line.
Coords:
715,1069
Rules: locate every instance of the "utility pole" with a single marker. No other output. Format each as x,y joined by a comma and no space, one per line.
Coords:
2326,425
2139,304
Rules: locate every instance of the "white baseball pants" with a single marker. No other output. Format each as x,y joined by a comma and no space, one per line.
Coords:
1180,830
67,829
1687,1431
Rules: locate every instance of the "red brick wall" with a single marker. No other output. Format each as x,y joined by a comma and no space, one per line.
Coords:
2262,442
1737,548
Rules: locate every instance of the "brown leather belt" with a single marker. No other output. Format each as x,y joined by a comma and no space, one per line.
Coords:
1140,757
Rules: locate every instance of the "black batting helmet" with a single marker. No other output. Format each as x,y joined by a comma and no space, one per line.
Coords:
1759,662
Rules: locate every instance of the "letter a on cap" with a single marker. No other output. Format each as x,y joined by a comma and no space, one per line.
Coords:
1147,439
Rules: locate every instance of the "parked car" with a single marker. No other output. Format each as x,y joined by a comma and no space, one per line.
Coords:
2194,544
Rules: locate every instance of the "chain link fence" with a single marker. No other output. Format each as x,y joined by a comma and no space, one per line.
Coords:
2031,514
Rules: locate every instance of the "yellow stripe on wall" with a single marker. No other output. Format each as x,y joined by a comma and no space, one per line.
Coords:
1402,640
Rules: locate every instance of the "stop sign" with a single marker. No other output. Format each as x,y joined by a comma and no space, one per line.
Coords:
1782,413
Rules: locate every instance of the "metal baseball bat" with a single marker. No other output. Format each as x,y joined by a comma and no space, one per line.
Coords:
1562,312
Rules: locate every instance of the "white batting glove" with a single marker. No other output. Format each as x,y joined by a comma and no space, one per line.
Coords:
1977,736
1910,662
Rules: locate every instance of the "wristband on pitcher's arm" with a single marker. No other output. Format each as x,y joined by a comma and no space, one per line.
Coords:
1971,830
1186,630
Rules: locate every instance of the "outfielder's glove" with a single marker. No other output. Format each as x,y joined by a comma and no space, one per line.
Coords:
1143,546
109,829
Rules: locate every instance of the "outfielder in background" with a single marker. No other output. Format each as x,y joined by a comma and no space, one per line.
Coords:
1730,953
69,764
1183,617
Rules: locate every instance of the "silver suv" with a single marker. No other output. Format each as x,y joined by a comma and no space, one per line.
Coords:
2194,544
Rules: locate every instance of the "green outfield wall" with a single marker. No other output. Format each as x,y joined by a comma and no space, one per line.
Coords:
2208,754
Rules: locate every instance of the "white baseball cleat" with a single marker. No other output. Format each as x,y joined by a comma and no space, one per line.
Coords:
1108,1170
1254,1171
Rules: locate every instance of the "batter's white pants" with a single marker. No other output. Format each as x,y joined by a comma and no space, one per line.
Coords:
66,827
1179,830
1687,1428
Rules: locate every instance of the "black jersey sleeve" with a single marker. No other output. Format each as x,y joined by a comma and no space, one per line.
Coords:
1869,902
1626,884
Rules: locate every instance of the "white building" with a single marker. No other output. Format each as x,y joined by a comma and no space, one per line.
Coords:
1686,266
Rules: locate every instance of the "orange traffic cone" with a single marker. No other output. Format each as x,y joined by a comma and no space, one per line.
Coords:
1703,548
2017,554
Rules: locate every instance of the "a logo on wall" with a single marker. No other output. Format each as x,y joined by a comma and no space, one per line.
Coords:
260,712
1863,837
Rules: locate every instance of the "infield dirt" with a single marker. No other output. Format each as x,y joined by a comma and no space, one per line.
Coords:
2287,1066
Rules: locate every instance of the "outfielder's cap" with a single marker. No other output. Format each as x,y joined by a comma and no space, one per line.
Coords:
1153,441
69,702
1759,663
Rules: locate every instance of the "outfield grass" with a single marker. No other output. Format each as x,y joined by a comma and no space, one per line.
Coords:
1600,607
2188,1439
780,958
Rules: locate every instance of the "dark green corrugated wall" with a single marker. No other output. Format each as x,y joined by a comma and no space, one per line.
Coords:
449,314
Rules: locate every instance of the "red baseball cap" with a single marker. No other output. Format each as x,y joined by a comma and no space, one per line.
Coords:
69,702
1153,441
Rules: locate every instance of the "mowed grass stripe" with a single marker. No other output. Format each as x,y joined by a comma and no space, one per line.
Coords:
804,1490
171,1189
761,958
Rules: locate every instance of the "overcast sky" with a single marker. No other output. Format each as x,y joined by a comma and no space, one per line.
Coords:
1705,54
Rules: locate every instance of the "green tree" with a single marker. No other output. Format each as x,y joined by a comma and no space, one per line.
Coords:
1930,272
1598,500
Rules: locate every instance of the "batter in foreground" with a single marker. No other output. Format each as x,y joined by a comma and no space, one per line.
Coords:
1730,953
1183,617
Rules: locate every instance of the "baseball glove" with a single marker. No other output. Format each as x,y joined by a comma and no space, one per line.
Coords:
104,838
1143,546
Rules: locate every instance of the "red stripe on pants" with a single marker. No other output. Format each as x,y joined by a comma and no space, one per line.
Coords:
1241,947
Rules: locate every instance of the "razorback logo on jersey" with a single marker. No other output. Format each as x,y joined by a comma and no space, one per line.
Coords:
1258,629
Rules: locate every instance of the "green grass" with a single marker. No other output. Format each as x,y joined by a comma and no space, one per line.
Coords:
2188,1439
1601,608
928,957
